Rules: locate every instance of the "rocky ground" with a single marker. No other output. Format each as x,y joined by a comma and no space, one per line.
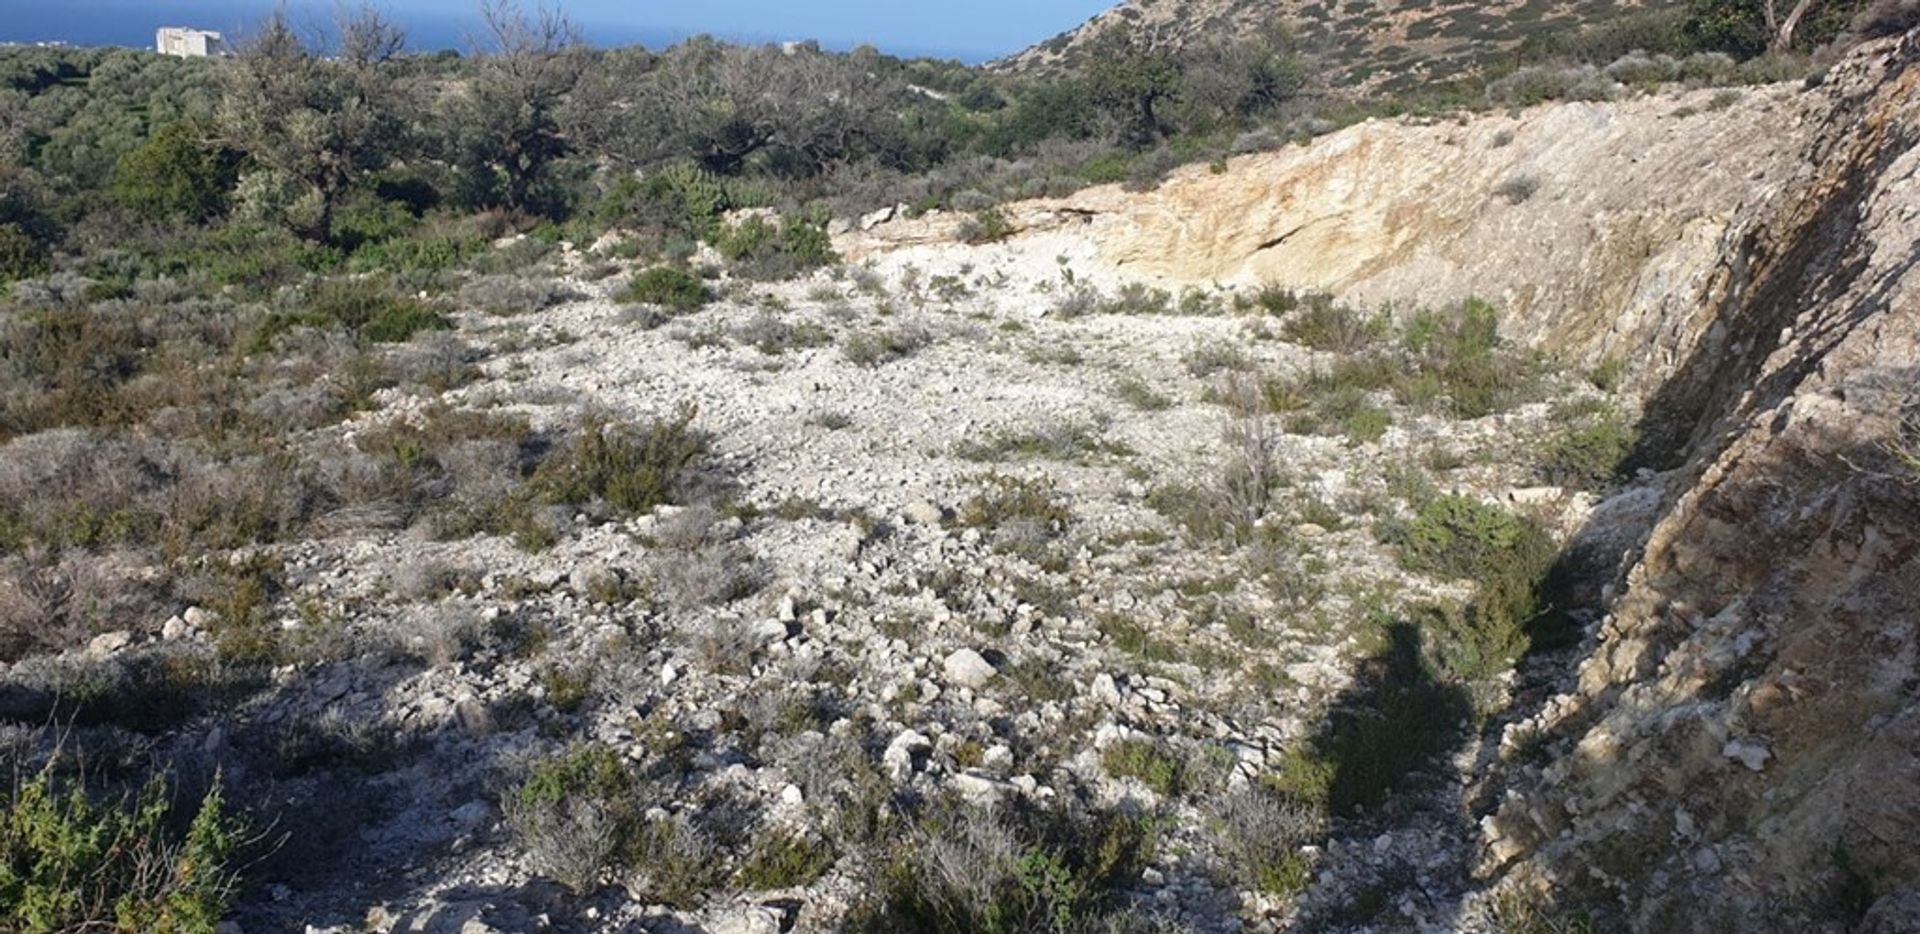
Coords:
950,549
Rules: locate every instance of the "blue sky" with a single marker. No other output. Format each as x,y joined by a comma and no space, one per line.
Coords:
970,29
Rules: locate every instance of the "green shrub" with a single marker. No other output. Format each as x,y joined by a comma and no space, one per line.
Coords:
1508,557
785,860
173,176
1455,536
1145,761
760,250
1366,425
988,226
21,256
1589,456
632,470
576,814
68,863
670,288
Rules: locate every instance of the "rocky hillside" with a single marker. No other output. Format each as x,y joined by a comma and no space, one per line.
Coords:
1503,524
1390,45
1736,747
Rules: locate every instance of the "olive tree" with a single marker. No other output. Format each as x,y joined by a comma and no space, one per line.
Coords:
1228,80
311,126
509,130
1130,76
723,104
1750,27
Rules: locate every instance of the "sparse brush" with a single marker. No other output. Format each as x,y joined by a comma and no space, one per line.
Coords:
880,347
576,815
513,295
1147,762
631,469
1261,834
1322,324
678,861
669,288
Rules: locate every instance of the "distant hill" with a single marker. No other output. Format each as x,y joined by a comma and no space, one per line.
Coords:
1379,44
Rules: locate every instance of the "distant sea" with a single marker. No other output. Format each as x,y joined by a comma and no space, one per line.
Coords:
133,23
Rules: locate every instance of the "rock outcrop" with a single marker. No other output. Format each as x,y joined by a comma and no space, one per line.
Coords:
1742,748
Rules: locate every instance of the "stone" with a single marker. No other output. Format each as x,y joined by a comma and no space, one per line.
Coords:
1898,913
968,668
906,750
755,920
924,513
471,816
175,628
1752,754
1536,495
107,643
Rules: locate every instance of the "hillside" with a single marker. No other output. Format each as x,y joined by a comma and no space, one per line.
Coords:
1394,45
1500,523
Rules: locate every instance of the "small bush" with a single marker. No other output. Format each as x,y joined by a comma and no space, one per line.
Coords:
631,470
1078,302
1077,442
1137,393
1261,834
876,348
1021,516
1455,536
785,860
513,295
679,861
366,308
1208,359
68,863
1517,189
968,870
1590,456
988,226
21,256
1137,299
575,815
760,250
1146,762
772,336
1366,425
669,288
1323,325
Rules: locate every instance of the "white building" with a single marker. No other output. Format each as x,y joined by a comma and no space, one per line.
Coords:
188,43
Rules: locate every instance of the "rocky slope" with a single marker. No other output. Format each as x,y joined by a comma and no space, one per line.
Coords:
1392,45
1742,749
961,537
1738,748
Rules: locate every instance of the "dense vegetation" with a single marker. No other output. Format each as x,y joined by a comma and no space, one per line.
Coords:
306,154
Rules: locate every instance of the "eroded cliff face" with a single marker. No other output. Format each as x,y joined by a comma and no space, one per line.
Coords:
1742,747
1597,227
